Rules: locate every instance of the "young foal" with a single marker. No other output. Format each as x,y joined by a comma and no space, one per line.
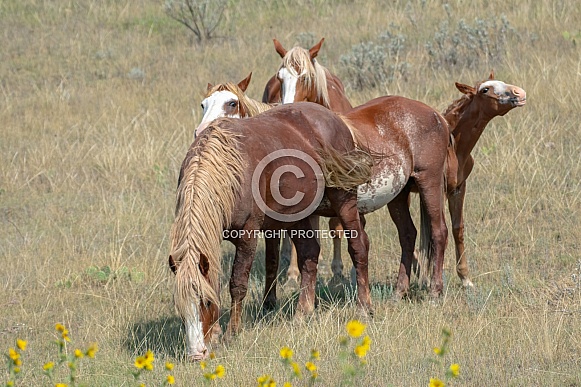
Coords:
468,116
218,194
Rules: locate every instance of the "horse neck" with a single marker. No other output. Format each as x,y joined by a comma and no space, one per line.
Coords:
467,122
253,107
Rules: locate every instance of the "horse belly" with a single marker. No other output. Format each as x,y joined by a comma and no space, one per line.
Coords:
382,189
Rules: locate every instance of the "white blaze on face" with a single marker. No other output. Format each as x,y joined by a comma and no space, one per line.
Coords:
499,87
214,108
196,348
289,85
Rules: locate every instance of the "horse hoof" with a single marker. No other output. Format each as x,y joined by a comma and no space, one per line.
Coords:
291,285
467,283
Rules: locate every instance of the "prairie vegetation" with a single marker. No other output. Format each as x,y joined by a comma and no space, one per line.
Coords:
98,104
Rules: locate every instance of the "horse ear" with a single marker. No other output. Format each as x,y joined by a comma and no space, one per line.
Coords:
204,265
491,76
314,51
279,48
243,84
172,265
210,86
465,89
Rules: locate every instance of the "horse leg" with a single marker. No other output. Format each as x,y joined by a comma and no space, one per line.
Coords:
290,255
308,250
434,233
345,206
456,208
271,252
337,263
399,211
245,250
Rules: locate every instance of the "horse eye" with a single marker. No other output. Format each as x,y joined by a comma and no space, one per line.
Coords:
485,90
202,105
232,104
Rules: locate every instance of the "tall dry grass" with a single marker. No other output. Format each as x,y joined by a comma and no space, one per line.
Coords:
98,103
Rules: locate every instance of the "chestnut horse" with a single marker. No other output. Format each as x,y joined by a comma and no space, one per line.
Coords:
323,88
467,117
413,134
233,184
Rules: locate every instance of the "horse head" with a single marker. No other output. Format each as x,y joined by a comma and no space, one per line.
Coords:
301,77
493,97
224,100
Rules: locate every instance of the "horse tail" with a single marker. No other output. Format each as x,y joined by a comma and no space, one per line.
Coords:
426,250
347,170
209,185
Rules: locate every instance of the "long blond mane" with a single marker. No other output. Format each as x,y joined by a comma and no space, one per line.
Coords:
251,106
452,112
206,196
298,62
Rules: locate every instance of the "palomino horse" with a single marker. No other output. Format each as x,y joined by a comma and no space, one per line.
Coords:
414,136
234,183
323,88
467,117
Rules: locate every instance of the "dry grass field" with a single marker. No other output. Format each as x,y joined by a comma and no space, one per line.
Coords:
98,104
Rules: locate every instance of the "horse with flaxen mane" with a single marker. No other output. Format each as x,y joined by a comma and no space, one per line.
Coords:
234,182
416,137
467,118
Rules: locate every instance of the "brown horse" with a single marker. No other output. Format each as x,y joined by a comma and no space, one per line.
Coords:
322,87
266,173
414,136
467,117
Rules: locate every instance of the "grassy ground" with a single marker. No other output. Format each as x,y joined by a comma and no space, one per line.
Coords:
96,102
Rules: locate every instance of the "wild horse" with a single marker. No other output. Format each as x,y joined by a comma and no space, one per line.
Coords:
265,173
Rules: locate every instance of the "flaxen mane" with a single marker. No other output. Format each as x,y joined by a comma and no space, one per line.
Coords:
251,106
314,74
207,191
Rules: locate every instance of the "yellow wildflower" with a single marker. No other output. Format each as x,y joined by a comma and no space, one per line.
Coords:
170,379
10,383
16,370
148,366
212,355
287,384
286,353
434,382
361,350
168,366
437,350
203,365
21,344
79,354
60,327
220,371
315,354
355,328
296,368
140,362
455,369
92,350
13,354
60,385
17,362
48,366
310,366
